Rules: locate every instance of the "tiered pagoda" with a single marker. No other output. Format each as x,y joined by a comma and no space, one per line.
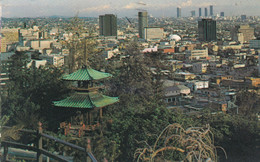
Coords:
87,99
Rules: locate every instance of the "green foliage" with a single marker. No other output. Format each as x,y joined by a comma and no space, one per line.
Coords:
137,119
248,104
31,91
141,113
133,76
129,127
8,134
82,48
235,133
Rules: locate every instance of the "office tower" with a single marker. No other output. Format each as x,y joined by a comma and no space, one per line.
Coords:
108,25
206,12
207,30
178,12
193,13
243,33
200,14
142,22
222,14
211,10
243,17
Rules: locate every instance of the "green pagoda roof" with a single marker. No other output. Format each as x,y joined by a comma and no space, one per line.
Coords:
86,74
86,100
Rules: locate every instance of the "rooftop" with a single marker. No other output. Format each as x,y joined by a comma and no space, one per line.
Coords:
86,101
86,74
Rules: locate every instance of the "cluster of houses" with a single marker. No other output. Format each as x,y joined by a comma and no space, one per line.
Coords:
198,74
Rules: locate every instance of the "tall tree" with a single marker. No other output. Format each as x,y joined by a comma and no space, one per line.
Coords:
32,90
140,115
80,46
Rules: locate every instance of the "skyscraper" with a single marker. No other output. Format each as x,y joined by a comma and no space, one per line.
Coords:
108,25
142,22
222,14
200,14
178,12
207,30
193,13
206,12
211,10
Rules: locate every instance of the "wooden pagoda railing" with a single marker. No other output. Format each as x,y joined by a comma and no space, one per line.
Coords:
78,130
40,151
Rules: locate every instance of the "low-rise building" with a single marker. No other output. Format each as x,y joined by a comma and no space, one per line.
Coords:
184,90
174,91
199,67
152,33
197,54
36,63
183,76
41,44
194,85
254,44
253,82
54,59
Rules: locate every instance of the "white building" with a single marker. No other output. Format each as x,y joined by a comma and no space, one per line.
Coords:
54,59
152,33
109,54
197,84
41,44
37,63
197,54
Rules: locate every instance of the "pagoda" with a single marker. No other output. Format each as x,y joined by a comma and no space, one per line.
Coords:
87,99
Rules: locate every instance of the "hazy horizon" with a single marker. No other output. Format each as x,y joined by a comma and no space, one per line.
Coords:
90,8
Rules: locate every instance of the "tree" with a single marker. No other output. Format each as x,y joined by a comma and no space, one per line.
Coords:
6,134
248,105
134,76
194,144
32,90
141,113
80,47
235,133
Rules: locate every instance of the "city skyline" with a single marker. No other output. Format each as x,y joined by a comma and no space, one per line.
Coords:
88,8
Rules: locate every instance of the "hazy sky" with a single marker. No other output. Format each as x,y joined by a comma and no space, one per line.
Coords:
167,8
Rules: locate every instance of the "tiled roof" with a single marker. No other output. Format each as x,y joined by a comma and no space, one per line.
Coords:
86,100
86,74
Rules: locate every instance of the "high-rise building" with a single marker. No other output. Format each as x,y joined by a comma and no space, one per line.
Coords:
243,33
206,12
193,13
211,10
222,14
178,12
108,25
200,13
142,23
207,30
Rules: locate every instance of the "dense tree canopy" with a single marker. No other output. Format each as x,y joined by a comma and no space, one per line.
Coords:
31,91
